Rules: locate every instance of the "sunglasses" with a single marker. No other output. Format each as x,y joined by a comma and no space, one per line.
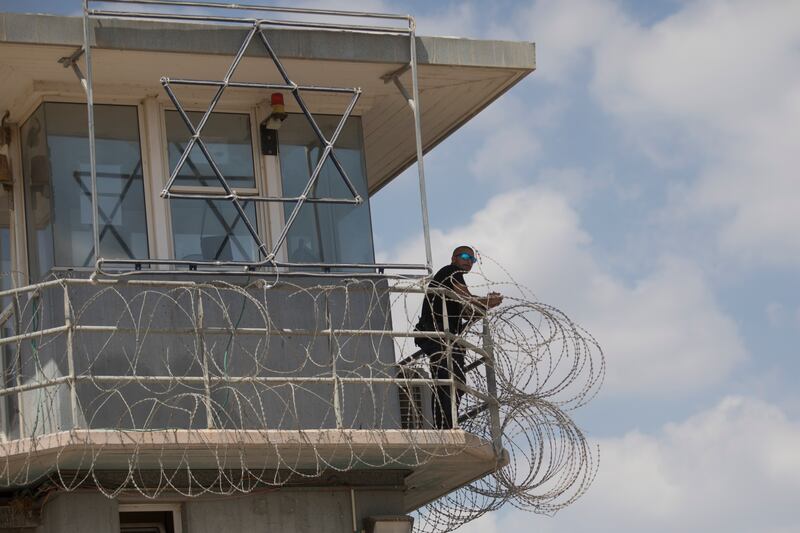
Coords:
467,257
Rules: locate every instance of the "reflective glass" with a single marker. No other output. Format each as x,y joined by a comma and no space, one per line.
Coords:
330,233
227,137
212,230
7,274
9,418
38,194
58,186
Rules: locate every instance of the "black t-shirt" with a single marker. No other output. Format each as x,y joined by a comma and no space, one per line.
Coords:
431,318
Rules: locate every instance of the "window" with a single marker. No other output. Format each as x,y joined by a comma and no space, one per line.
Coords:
330,233
55,148
150,518
208,229
9,413
7,274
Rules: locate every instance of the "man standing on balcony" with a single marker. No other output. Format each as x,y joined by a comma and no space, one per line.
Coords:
448,283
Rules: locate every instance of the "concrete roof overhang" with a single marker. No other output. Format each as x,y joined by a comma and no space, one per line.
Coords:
457,77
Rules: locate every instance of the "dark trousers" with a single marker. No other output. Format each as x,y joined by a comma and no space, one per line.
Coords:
442,407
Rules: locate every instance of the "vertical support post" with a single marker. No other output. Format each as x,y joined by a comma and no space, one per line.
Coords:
423,195
449,356
491,388
18,363
337,404
90,116
72,382
201,345
154,158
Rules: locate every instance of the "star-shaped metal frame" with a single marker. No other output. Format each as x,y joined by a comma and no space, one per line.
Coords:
230,194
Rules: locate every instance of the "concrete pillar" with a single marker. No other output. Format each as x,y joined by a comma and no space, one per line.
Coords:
79,513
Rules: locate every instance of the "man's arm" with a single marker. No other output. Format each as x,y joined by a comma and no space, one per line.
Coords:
493,299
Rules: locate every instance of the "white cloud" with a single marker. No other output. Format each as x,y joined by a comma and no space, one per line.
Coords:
565,33
776,314
714,86
733,468
456,20
511,149
718,81
507,156
663,335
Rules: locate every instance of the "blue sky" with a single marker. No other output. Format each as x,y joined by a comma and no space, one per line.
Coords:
645,180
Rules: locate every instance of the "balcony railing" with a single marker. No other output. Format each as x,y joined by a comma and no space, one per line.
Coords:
176,354
228,383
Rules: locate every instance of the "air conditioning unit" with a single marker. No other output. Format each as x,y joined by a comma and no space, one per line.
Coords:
415,399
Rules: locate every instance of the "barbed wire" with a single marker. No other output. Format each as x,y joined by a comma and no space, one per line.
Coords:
232,385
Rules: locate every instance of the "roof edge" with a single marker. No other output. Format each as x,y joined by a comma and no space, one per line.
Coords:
334,45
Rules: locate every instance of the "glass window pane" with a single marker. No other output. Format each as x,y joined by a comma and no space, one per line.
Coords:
330,233
227,137
212,230
36,169
7,274
9,418
58,182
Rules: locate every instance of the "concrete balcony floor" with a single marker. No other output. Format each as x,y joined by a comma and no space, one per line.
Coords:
432,463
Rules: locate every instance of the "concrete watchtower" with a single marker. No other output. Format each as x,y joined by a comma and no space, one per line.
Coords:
228,361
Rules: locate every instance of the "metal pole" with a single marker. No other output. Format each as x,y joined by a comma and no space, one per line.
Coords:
18,363
423,195
90,116
201,343
72,383
491,388
449,356
337,405
255,85
257,7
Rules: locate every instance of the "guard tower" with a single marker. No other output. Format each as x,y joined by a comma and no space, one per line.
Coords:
228,361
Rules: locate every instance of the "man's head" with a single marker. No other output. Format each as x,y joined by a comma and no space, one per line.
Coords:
464,258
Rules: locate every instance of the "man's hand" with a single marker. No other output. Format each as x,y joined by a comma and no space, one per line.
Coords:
493,299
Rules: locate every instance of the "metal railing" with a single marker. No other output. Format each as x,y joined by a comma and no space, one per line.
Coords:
206,381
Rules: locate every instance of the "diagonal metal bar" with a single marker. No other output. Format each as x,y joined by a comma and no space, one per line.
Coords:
230,194
332,154
236,203
300,102
294,87
215,211
196,139
311,182
214,101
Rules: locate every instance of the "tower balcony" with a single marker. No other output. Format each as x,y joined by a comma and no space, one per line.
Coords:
213,382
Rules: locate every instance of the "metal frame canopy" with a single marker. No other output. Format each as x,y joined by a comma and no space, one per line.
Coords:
176,10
